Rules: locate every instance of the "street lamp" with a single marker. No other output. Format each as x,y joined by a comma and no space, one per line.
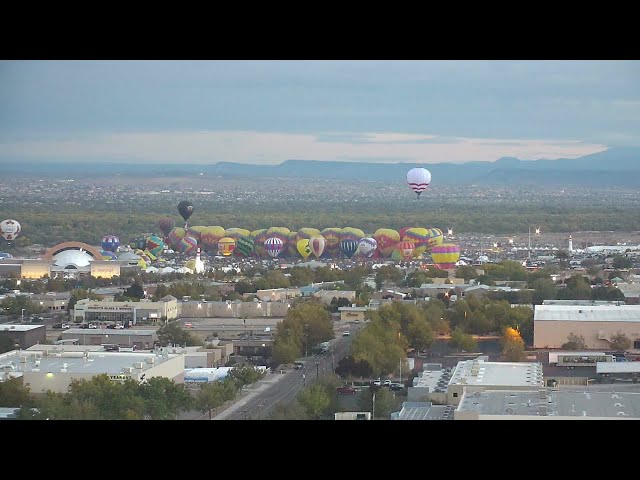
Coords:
22,315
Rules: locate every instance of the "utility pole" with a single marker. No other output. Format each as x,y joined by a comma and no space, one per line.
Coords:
373,404
317,370
400,369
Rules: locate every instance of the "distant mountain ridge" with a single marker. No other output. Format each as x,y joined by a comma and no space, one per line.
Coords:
613,167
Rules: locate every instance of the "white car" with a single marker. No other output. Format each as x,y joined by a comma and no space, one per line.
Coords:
65,326
346,333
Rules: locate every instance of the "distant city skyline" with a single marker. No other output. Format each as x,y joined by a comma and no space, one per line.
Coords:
267,112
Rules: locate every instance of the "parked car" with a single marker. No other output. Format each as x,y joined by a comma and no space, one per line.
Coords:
396,386
64,326
346,390
377,383
387,383
346,333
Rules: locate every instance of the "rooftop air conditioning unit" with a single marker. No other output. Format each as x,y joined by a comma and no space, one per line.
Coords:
138,365
151,360
127,370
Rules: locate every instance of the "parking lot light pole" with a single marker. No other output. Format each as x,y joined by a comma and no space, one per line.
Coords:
22,316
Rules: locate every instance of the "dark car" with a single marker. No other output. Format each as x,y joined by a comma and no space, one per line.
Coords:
346,390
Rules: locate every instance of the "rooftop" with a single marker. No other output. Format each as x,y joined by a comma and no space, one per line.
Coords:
423,411
431,378
479,372
552,403
110,331
618,367
7,327
81,362
596,313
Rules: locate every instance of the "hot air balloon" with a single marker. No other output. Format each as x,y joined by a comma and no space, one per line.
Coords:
348,247
166,225
210,236
245,245
290,244
419,237
435,237
110,243
303,248
332,238
155,245
259,236
387,240
106,255
367,246
406,249
418,179
185,209
236,233
188,245
306,233
350,233
177,234
10,229
274,246
196,232
226,246
446,255
317,245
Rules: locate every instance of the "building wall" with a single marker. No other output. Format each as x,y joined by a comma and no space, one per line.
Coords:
552,334
36,269
277,294
352,316
105,269
173,369
27,338
95,337
326,296
58,382
234,310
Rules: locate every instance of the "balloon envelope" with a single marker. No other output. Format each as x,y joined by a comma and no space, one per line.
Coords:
367,246
387,240
185,209
245,245
210,236
110,243
155,245
188,245
303,248
226,246
348,247
317,245
10,229
406,248
273,246
166,225
418,179
332,241
445,255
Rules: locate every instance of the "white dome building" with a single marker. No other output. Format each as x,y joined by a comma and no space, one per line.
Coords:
72,259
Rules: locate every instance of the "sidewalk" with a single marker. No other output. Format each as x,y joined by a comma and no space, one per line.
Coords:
248,393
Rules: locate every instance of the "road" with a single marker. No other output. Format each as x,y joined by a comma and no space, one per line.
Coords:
260,404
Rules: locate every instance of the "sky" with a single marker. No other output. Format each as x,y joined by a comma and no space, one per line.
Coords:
266,112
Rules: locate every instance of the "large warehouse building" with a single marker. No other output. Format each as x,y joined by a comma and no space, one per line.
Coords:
597,324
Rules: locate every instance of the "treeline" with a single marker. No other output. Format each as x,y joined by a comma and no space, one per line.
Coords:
52,224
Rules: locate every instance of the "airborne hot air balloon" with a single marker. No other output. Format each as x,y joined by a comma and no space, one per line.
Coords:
226,246
303,248
110,243
348,247
367,246
166,225
185,209
317,245
446,255
418,179
274,246
9,229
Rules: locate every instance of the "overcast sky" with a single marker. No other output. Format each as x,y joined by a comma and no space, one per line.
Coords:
272,111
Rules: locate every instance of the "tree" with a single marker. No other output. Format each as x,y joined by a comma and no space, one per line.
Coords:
289,411
285,350
620,262
315,401
245,375
386,402
463,341
484,280
134,291
513,346
14,394
620,342
419,334
164,399
209,397
467,272
574,342
172,333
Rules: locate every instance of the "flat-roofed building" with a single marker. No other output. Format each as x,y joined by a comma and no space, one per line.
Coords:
545,404
423,411
127,337
326,296
483,375
107,311
202,309
24,335
351,314
43,370
552,324
278,294
55,302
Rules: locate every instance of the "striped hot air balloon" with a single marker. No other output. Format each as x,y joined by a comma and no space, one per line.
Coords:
418,179
406,249
188,245
446,255
274,246
367,246
348,247
245,245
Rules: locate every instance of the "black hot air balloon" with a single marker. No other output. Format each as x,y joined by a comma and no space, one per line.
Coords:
185,209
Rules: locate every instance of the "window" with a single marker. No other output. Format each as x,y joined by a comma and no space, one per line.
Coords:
455,394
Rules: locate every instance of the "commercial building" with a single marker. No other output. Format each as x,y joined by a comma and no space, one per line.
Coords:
545,404
326,296
423,411
42,371
631,292
597,324
202,309
352,416
24,335
127,337
353,313
277,294
52,302
108,311
482,375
